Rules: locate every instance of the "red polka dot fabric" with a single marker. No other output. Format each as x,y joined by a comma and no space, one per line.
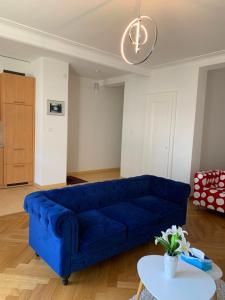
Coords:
209,190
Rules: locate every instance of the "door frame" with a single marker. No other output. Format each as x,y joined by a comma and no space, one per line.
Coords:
147,128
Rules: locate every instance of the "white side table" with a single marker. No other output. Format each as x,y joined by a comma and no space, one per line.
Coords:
216,273
189,283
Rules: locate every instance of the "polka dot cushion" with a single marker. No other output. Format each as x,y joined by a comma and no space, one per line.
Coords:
209,190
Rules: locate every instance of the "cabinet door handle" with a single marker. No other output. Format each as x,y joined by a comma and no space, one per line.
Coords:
17,149
19,102
18,166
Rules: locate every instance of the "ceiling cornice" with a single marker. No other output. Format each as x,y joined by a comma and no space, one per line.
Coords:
201,60
20,33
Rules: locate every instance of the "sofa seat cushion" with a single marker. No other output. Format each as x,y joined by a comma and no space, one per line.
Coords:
133,217
98,231
156,205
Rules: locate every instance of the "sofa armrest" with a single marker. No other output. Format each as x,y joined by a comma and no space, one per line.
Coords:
200,181
53,217
170,190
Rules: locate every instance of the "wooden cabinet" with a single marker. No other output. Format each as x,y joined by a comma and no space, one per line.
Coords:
1,167
17,104
29,91
8,88
18,173
17,89
18,142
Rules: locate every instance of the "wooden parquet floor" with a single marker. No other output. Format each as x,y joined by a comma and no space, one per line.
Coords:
23,276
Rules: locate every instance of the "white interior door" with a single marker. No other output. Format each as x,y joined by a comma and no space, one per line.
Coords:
159,134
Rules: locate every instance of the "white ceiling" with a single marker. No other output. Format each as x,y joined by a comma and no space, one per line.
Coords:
187,28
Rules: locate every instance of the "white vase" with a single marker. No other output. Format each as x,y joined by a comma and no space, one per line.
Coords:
170,265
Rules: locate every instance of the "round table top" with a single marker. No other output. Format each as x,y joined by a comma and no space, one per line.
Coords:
216,273
188,283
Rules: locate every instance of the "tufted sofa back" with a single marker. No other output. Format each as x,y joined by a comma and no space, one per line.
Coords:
96,195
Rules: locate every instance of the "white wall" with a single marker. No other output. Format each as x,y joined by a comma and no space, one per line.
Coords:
14,65
199,117
133,125
213,141
95,125
184,81
50,131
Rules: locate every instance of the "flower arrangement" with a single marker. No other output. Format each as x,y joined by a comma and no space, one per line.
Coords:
174,241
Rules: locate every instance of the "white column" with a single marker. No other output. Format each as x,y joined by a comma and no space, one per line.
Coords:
50,130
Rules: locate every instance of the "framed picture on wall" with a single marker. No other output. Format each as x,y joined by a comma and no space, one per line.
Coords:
55,107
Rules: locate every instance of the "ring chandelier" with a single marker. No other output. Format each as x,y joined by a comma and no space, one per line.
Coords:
138,38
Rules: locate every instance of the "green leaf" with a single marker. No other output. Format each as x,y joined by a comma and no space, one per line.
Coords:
173,240
164,243
177,253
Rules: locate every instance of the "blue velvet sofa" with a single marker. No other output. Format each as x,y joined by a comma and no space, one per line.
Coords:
74,227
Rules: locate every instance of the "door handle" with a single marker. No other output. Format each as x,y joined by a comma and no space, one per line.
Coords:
18,166
19,102
18,149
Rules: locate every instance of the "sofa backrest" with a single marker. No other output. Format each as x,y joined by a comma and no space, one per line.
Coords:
209,179
171,190
96,195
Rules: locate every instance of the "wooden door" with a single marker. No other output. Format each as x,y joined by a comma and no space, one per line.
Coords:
29,90
159,134
18,89
1,166
17,97
9,88
18,123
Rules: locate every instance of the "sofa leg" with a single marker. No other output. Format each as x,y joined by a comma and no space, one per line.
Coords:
37,255
65,280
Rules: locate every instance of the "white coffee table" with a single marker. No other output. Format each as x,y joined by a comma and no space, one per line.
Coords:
216,273
189,282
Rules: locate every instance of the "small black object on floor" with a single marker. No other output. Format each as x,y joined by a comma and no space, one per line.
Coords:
74,180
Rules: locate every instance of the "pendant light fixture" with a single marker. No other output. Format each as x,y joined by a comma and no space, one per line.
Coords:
139,39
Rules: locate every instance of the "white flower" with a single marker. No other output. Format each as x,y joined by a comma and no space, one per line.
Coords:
176,230
165,236
181,232
172,230
184,247
174,241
